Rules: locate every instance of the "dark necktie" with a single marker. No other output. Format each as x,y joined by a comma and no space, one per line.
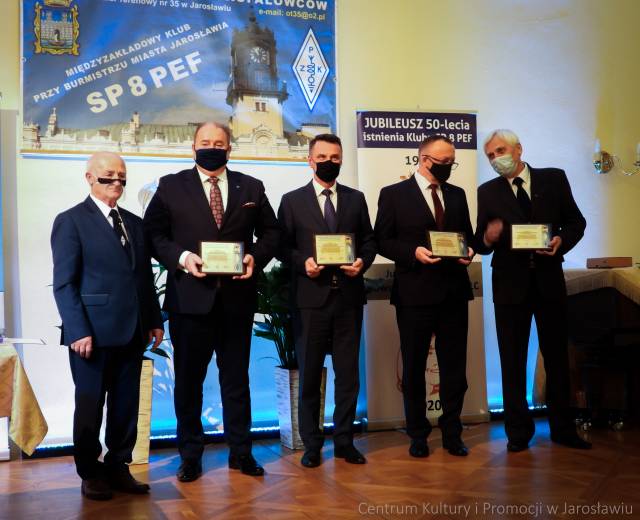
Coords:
215,201
523,199
119,230
437,205
330,212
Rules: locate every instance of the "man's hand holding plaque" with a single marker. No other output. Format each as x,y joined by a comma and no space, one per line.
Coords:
335,249
225,258
353,269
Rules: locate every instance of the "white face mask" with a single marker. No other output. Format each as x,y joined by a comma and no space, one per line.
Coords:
504,165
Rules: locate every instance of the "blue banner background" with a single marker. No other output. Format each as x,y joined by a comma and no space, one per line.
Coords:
106,26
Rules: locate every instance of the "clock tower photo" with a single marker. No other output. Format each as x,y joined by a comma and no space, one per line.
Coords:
256,94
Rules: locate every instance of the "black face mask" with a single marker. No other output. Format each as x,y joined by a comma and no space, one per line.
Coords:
211,158
327,171
440,171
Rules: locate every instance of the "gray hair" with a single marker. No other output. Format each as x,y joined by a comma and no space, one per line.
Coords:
98,158
221,126
506,135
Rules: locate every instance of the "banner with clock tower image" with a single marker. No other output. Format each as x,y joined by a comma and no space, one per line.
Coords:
137,77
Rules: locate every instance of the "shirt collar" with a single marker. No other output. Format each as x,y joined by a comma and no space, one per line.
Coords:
423,183
204,178
104,208
525,175
319,188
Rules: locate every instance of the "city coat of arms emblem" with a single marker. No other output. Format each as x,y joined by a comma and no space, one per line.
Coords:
56,27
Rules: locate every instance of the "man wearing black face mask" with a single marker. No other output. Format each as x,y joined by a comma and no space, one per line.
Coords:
211,203
430,294
329,300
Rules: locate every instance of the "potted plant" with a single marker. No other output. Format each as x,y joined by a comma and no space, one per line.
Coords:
274,306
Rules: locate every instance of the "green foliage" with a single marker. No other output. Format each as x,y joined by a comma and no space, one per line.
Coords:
274,303
160,283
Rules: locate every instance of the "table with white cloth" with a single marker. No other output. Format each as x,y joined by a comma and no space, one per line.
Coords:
27,426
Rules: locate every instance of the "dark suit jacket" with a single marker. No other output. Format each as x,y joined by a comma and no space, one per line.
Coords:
401,226
300,218
99,291
551,202
179,217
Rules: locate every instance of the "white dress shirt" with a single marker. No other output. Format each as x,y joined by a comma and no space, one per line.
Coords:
525,175
223,184
105,209
321,198
424,184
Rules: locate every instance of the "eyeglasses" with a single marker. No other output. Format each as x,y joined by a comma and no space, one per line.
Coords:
454,165
109,180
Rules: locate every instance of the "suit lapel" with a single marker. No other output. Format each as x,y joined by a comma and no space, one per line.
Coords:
343,203
129,229
197,195
509,198
449,205
312,202
102,226
416,194
537,191
234,188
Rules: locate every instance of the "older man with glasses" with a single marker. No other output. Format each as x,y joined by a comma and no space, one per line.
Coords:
430,293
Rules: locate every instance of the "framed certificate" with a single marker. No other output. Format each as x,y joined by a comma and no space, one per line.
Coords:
528,237
334,248
222,257
448,244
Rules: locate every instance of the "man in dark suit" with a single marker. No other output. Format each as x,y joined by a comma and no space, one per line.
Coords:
430,294
527,284
103,287
329,299
211,313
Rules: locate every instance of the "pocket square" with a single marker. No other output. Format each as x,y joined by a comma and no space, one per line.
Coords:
249,205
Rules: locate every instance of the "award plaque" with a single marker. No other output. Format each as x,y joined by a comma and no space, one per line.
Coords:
529,237
447,244
222,257
334,249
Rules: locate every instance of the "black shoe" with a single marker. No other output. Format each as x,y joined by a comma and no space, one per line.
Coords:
311,459
572,440
514,446
456,448
350,454
122,480
189,471
96,489
247,464
419,448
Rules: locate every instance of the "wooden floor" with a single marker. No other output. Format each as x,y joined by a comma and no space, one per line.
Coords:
490,483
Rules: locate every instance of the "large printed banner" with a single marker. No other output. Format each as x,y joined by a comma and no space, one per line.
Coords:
136,76
388,153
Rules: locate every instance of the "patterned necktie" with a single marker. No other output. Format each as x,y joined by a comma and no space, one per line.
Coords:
119,230
437,206
215,201
330,212
523,199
